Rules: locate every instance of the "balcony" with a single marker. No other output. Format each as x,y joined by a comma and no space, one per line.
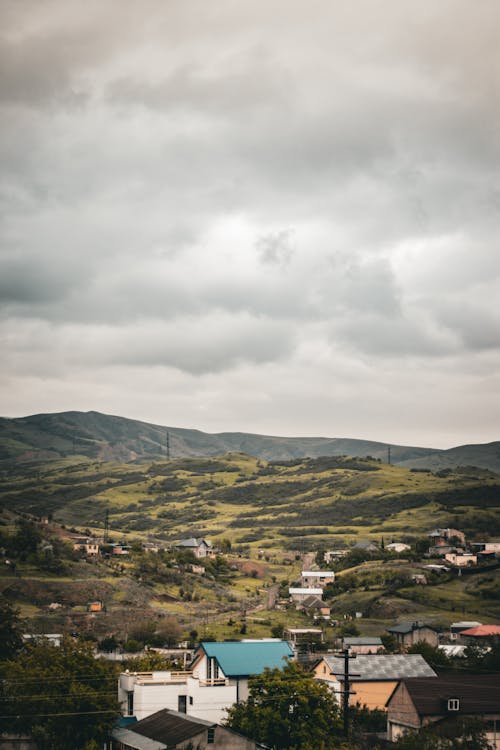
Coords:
214,682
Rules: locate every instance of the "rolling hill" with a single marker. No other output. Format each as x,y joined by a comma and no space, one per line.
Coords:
43,437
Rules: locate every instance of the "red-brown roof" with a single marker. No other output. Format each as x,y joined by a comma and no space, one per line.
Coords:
483,631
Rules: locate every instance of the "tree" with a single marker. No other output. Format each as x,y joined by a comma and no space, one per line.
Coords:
460,734
61,695
287,709
10,630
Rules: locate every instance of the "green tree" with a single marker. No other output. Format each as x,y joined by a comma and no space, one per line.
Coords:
460,734
432,655
10,630
288,709
61,695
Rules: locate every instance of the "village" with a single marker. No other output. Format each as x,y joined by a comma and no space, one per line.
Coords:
181,691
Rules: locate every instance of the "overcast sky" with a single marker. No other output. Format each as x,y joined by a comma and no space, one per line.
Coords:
273,216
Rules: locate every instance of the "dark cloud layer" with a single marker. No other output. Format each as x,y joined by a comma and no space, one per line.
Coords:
264,217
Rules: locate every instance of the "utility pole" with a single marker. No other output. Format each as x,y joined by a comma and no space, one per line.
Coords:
345,697
168,446
106,526
346,692
389,455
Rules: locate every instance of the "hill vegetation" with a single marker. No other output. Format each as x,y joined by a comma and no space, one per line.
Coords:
43,437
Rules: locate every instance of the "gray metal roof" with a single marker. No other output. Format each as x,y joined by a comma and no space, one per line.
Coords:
379,667
408,627
362,641
128,737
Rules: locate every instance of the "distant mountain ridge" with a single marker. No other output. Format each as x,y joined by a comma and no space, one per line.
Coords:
42,437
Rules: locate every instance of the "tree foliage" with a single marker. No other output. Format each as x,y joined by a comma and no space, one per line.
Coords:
460,734
61,695
10,630
288,709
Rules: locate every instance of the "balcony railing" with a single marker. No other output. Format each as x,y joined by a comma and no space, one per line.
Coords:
214,681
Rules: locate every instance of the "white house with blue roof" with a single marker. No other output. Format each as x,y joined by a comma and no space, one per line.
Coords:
218,678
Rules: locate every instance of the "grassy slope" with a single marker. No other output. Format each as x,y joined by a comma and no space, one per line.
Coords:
307,505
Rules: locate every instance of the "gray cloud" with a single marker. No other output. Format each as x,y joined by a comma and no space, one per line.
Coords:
251,204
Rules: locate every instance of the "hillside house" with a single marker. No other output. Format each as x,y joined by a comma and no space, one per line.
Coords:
373,677
217,678
452,537
398,547
316,578
408,633
363,645
416,703
172,730
461,559
199,547
86,546
315,607
334,555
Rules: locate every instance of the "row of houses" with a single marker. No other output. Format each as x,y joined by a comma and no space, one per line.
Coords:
91,546
403,685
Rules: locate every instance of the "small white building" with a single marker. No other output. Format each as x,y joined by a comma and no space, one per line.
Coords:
299,594
398,547
218,678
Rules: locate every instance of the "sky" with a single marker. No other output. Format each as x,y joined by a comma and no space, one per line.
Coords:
275,216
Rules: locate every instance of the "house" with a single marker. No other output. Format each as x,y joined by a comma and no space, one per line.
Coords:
416,703
300,594
452,537
334,555
317,578
199,547
457,628
373,677
173,730
120,549
363,645
408,633
315,607
96,606
217,678
481,634
440,550
461,559
86,545
398,547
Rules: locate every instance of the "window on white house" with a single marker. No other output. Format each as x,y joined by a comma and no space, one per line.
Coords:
210,735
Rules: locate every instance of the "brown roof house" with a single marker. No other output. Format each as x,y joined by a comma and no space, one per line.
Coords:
416,703
171,729
373,677
408,633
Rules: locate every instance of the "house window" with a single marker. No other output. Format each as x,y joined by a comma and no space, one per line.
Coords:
212,669
190,700
453,704
210,735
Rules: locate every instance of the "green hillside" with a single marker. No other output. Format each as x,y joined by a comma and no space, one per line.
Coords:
286,504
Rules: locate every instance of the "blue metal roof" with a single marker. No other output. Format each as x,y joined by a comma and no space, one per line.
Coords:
242,658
